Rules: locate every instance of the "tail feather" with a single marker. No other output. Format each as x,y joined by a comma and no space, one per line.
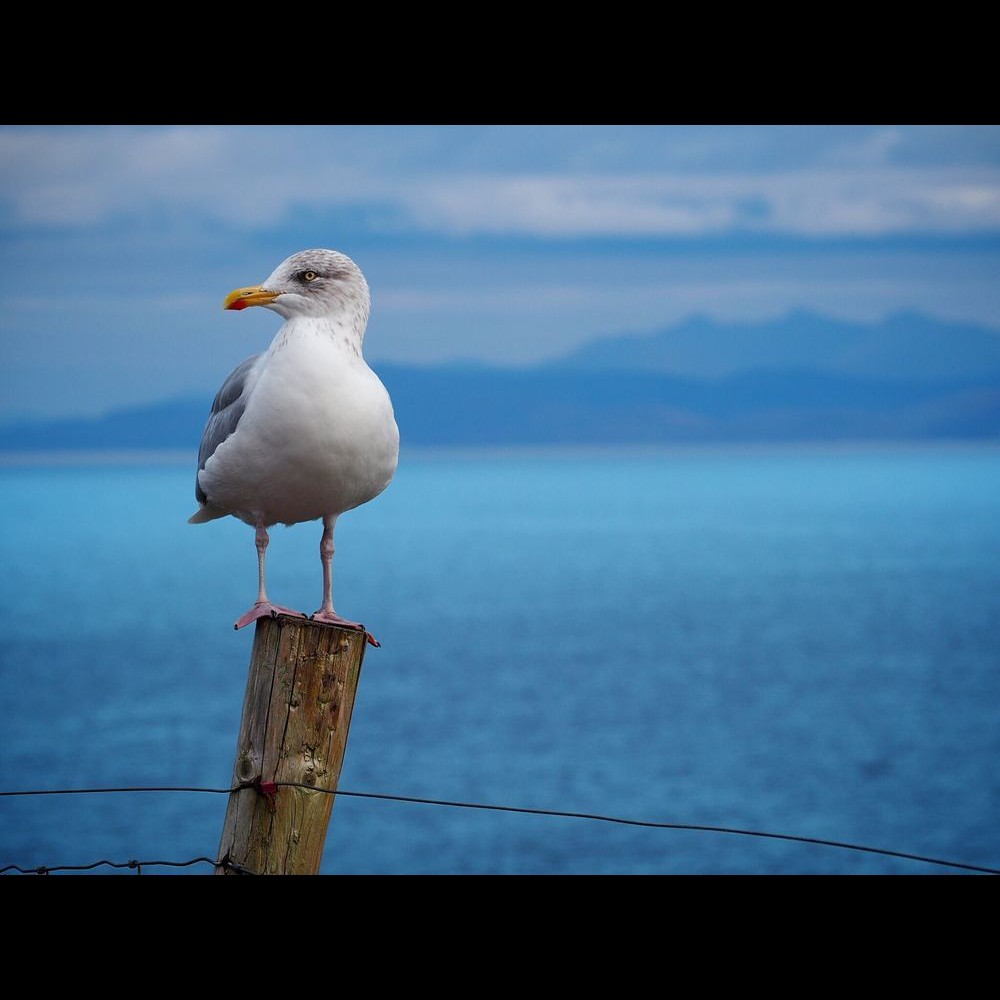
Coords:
206,513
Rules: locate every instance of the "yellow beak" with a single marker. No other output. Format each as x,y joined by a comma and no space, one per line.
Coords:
255,295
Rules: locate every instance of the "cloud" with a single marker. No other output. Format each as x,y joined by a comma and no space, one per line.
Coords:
862,202
585,183
83,177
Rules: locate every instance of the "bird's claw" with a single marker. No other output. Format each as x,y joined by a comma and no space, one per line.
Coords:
332,618
263,609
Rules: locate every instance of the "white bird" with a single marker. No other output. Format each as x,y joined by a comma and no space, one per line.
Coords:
305,430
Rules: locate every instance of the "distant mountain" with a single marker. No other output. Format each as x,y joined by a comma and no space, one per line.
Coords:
906,347
490,407
803,378
174,423
583,407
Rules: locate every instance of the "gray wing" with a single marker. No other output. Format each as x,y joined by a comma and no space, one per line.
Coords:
227,409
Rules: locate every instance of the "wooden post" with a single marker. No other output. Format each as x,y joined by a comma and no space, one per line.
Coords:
296,717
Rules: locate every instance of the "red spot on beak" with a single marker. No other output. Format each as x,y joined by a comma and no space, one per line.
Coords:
238,304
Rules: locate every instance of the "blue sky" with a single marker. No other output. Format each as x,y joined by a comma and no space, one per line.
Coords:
506,245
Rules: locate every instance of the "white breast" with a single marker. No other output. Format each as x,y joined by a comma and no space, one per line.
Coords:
318,435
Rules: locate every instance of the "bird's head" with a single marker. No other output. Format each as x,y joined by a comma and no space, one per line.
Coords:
310,283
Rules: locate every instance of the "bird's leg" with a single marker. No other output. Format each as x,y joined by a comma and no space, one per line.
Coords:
326,612
262,541
263,606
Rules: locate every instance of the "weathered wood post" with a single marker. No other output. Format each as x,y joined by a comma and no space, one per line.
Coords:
296,716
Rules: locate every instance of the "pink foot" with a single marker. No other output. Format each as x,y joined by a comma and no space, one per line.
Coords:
332,618
263,609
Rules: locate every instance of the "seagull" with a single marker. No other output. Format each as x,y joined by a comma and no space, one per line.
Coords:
305,430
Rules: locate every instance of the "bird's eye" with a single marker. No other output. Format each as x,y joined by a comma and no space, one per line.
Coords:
309,275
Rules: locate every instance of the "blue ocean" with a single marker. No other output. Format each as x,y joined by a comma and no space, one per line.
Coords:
791,640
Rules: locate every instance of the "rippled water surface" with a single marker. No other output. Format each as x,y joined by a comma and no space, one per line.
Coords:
794,641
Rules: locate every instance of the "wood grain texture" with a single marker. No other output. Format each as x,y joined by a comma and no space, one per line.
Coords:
296,718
